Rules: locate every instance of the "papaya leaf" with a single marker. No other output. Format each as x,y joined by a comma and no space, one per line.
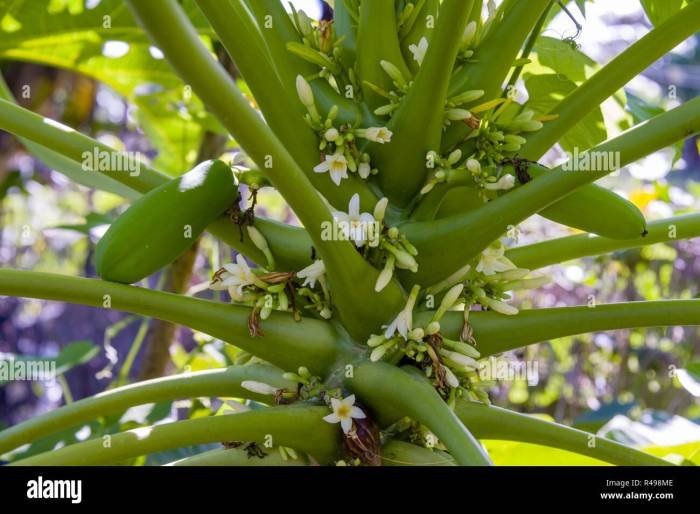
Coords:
546,91
106,44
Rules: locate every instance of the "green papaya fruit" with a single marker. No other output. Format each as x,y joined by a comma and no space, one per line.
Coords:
162,224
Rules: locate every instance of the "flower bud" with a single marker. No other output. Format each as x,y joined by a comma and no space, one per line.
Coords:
452,380
380,209
469,33
467,97
432,328
393,72
458,359
364,170
498,306
473,165
504,183
513,139
417,334
458,114
454,157
306,94
379,351
385,276
331,134
258,387
375,340
531,126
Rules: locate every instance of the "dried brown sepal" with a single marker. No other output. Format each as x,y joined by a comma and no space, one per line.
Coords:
474,122
277,277
434,343
254,324
287,396
468,334
243,217
363,442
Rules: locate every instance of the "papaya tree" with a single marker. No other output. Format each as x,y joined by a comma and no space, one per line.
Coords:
397,135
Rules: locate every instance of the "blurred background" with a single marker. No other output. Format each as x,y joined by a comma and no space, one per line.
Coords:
639,386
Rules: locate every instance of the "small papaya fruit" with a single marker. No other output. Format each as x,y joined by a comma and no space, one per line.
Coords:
162,224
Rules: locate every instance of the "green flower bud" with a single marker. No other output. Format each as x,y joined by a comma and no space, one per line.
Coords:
467,97
306,94
531,126
432,328
458,114
454,157
394,73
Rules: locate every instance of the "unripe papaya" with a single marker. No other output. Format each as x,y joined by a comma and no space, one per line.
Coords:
597,210
162,224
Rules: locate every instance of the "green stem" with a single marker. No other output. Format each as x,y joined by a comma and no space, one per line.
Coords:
417,124
134,349
286,343
74,145
612,77
377,41
211,383
351,277
564,249
447,244
400,453
494,57
534,36
288,426
278,30
238,457
488,422
496,333
394,393
291,246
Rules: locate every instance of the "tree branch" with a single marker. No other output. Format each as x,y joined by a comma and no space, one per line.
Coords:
288,426
286,343
489,422
394,393
496,333
564,249
224,383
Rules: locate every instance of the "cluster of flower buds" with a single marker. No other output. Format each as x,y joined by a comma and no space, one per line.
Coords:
394,97
318,298
470,40
399,253
499,134
451,364
454,110
489,283
338,144
443,168
319,45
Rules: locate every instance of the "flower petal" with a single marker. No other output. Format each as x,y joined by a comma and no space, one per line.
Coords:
357,413
346,424
331,418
